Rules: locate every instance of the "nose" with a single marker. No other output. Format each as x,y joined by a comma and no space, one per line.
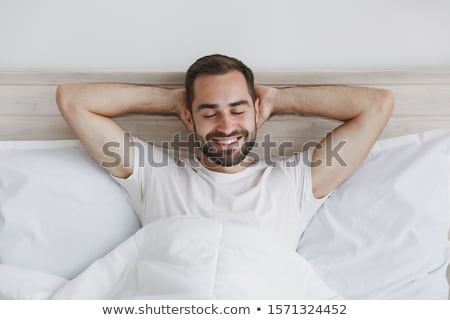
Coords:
225,124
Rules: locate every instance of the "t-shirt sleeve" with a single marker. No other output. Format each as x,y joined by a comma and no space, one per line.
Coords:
134,185
299,168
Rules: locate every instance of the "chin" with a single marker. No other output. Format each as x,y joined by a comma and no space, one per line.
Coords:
232,159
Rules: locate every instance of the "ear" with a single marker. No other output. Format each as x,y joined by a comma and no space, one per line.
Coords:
257,106
189,122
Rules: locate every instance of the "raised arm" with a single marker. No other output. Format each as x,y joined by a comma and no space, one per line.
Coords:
365,112
89,108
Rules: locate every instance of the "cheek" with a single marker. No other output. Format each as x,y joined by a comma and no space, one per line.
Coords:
202,127
250,122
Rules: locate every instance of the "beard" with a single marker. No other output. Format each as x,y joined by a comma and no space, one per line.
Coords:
227,155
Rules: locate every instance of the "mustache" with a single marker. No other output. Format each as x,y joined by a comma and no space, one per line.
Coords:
219,134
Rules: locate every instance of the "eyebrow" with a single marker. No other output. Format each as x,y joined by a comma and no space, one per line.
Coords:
215,106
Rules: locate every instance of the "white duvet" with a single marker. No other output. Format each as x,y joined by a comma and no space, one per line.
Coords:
181,258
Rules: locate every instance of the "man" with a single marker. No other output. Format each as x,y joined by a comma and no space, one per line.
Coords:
221,105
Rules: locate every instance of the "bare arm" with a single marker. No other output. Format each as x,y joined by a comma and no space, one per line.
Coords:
365,112
89,108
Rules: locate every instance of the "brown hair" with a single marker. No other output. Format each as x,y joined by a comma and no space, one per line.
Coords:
214,65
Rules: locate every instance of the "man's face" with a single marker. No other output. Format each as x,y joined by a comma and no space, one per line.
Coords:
224,117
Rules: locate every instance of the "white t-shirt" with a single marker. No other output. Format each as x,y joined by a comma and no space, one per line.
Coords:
276,197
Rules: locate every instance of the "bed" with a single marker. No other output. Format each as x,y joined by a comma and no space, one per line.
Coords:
67,230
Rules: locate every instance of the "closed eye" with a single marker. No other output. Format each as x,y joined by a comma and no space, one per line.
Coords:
209,115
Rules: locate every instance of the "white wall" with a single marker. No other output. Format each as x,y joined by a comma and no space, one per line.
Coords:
266,34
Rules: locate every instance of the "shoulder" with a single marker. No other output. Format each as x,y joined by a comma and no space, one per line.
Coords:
297,161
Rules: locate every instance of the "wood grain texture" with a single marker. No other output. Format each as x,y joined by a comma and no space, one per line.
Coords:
28,108
410,99
352,77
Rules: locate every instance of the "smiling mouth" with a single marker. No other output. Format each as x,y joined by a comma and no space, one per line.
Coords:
226,141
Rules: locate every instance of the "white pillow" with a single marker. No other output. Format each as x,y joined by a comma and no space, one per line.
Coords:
383,233
59,210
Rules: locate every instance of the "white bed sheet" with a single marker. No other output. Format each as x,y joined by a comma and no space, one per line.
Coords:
187,258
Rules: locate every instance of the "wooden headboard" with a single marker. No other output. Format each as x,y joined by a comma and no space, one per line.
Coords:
28,109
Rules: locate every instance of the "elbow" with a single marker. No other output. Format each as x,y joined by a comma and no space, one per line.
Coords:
387,102
382,105
61,97
64,96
